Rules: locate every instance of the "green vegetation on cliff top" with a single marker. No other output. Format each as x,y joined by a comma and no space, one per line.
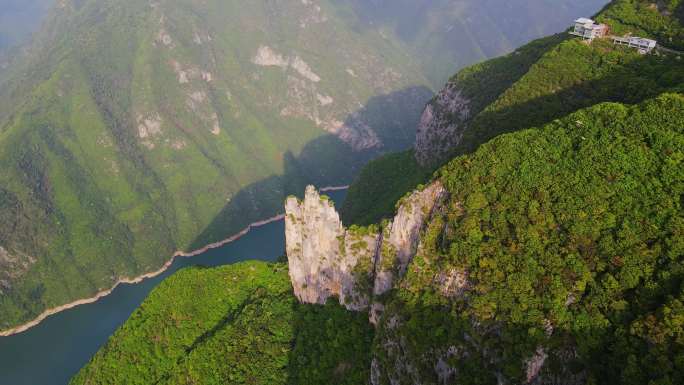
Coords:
571,238
236,324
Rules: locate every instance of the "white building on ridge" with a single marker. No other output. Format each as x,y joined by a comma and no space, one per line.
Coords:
587,29
642,44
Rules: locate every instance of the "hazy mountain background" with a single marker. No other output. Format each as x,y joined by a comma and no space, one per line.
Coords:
130,129
19,19
444,35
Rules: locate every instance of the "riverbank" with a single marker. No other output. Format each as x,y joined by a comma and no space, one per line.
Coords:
179,254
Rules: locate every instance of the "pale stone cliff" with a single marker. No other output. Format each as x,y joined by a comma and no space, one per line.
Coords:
401,238
326,259
441,125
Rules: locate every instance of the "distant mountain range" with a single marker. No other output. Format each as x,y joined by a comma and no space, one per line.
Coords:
19,19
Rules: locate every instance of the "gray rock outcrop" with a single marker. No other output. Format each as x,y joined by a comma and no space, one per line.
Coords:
326,259
441,125
401,238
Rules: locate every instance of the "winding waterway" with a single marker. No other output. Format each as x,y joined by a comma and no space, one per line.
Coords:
54,350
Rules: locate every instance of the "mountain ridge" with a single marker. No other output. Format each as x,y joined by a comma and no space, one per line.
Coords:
542,253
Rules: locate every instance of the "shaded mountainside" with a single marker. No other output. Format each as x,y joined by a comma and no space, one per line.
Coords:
541,81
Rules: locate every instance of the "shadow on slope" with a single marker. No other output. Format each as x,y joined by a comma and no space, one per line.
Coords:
331,345
630,83
325,161
385,180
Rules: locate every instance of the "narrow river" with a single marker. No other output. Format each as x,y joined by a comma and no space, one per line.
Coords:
52,352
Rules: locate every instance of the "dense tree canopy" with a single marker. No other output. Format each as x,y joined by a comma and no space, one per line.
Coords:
572,238
237,324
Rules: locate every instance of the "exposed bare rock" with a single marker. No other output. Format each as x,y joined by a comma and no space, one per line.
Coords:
535,364
355,131
441,126
215,125
313,14
540,372
164,38
184,74
453,283
324,100
12,266
324,258
354,264
299,65
399,367
375,372
304,101
445,373
401,239
411,217
267,57
149,126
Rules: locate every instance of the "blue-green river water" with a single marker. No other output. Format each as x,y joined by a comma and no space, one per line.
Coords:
52,352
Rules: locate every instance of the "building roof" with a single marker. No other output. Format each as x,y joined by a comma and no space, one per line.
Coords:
643,41
598,26
584,20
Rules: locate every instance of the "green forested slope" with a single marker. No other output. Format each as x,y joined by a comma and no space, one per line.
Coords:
560,243
570,237
381,183
545,80
238,324
132,129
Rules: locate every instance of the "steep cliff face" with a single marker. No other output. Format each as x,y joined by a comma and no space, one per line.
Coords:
441,125
326,259
400,240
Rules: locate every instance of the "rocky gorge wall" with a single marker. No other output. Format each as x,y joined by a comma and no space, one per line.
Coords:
355,264
442,125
